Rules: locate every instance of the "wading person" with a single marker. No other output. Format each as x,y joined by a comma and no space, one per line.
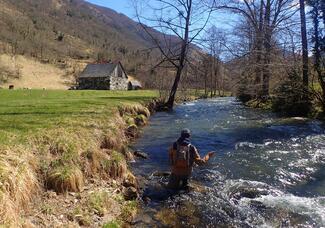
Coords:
182,156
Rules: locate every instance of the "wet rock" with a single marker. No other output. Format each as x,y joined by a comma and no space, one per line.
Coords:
140,154
249,189
257,205
250,193
160,174
130,193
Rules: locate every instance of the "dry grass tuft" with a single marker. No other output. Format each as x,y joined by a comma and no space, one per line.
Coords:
134,110
130,180
95,163
65,178
18,183
111,142
106,164
116,166
141,110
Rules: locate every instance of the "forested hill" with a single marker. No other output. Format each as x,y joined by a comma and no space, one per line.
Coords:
56,29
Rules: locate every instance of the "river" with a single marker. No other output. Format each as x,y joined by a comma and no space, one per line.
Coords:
268,172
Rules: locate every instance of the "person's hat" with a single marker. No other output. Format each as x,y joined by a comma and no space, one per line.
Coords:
186,133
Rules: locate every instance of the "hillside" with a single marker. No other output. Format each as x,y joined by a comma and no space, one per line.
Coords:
58,30
32,74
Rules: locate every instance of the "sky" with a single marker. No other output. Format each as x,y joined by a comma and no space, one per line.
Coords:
125,7
220,20
121,6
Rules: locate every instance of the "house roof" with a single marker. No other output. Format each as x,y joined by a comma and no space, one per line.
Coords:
98,70
135,83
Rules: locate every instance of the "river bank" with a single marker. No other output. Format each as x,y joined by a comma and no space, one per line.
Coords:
315,111
64,156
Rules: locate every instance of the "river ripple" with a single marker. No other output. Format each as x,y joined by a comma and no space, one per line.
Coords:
269,171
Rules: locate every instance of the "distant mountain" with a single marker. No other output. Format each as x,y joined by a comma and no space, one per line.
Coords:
57,29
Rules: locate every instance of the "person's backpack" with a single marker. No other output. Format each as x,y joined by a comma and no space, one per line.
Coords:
182,156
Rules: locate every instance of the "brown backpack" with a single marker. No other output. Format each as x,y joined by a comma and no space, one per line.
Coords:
182,156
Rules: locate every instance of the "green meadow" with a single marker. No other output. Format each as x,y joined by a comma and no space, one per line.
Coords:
25,112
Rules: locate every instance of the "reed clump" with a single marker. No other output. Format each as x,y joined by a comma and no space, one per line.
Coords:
65,178
18,183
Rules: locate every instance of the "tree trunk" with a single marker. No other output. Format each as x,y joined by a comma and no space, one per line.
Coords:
259,49
171,100
317,51
267,51
304,44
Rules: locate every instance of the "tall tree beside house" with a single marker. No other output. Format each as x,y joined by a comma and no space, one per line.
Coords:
304,43
183,21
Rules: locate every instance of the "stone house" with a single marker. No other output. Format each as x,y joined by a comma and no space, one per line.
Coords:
104,76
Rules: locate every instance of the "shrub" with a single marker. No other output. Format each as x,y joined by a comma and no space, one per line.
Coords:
243,93
291,98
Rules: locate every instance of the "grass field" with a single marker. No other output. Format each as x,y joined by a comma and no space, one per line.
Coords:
24,112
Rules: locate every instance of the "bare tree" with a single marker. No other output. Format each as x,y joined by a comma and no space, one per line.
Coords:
181,22
215,40
304,43
264,19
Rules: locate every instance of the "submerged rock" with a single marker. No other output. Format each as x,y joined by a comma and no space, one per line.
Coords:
161,174
140,154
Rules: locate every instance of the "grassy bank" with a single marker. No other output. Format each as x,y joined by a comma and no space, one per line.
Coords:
315,111
63,155
24,112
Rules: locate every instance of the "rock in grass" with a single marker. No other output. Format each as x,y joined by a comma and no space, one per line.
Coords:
130,193
140,154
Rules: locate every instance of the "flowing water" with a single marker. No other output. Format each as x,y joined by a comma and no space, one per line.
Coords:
268,171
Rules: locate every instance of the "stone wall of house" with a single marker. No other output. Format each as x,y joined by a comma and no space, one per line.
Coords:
119,83
94,83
